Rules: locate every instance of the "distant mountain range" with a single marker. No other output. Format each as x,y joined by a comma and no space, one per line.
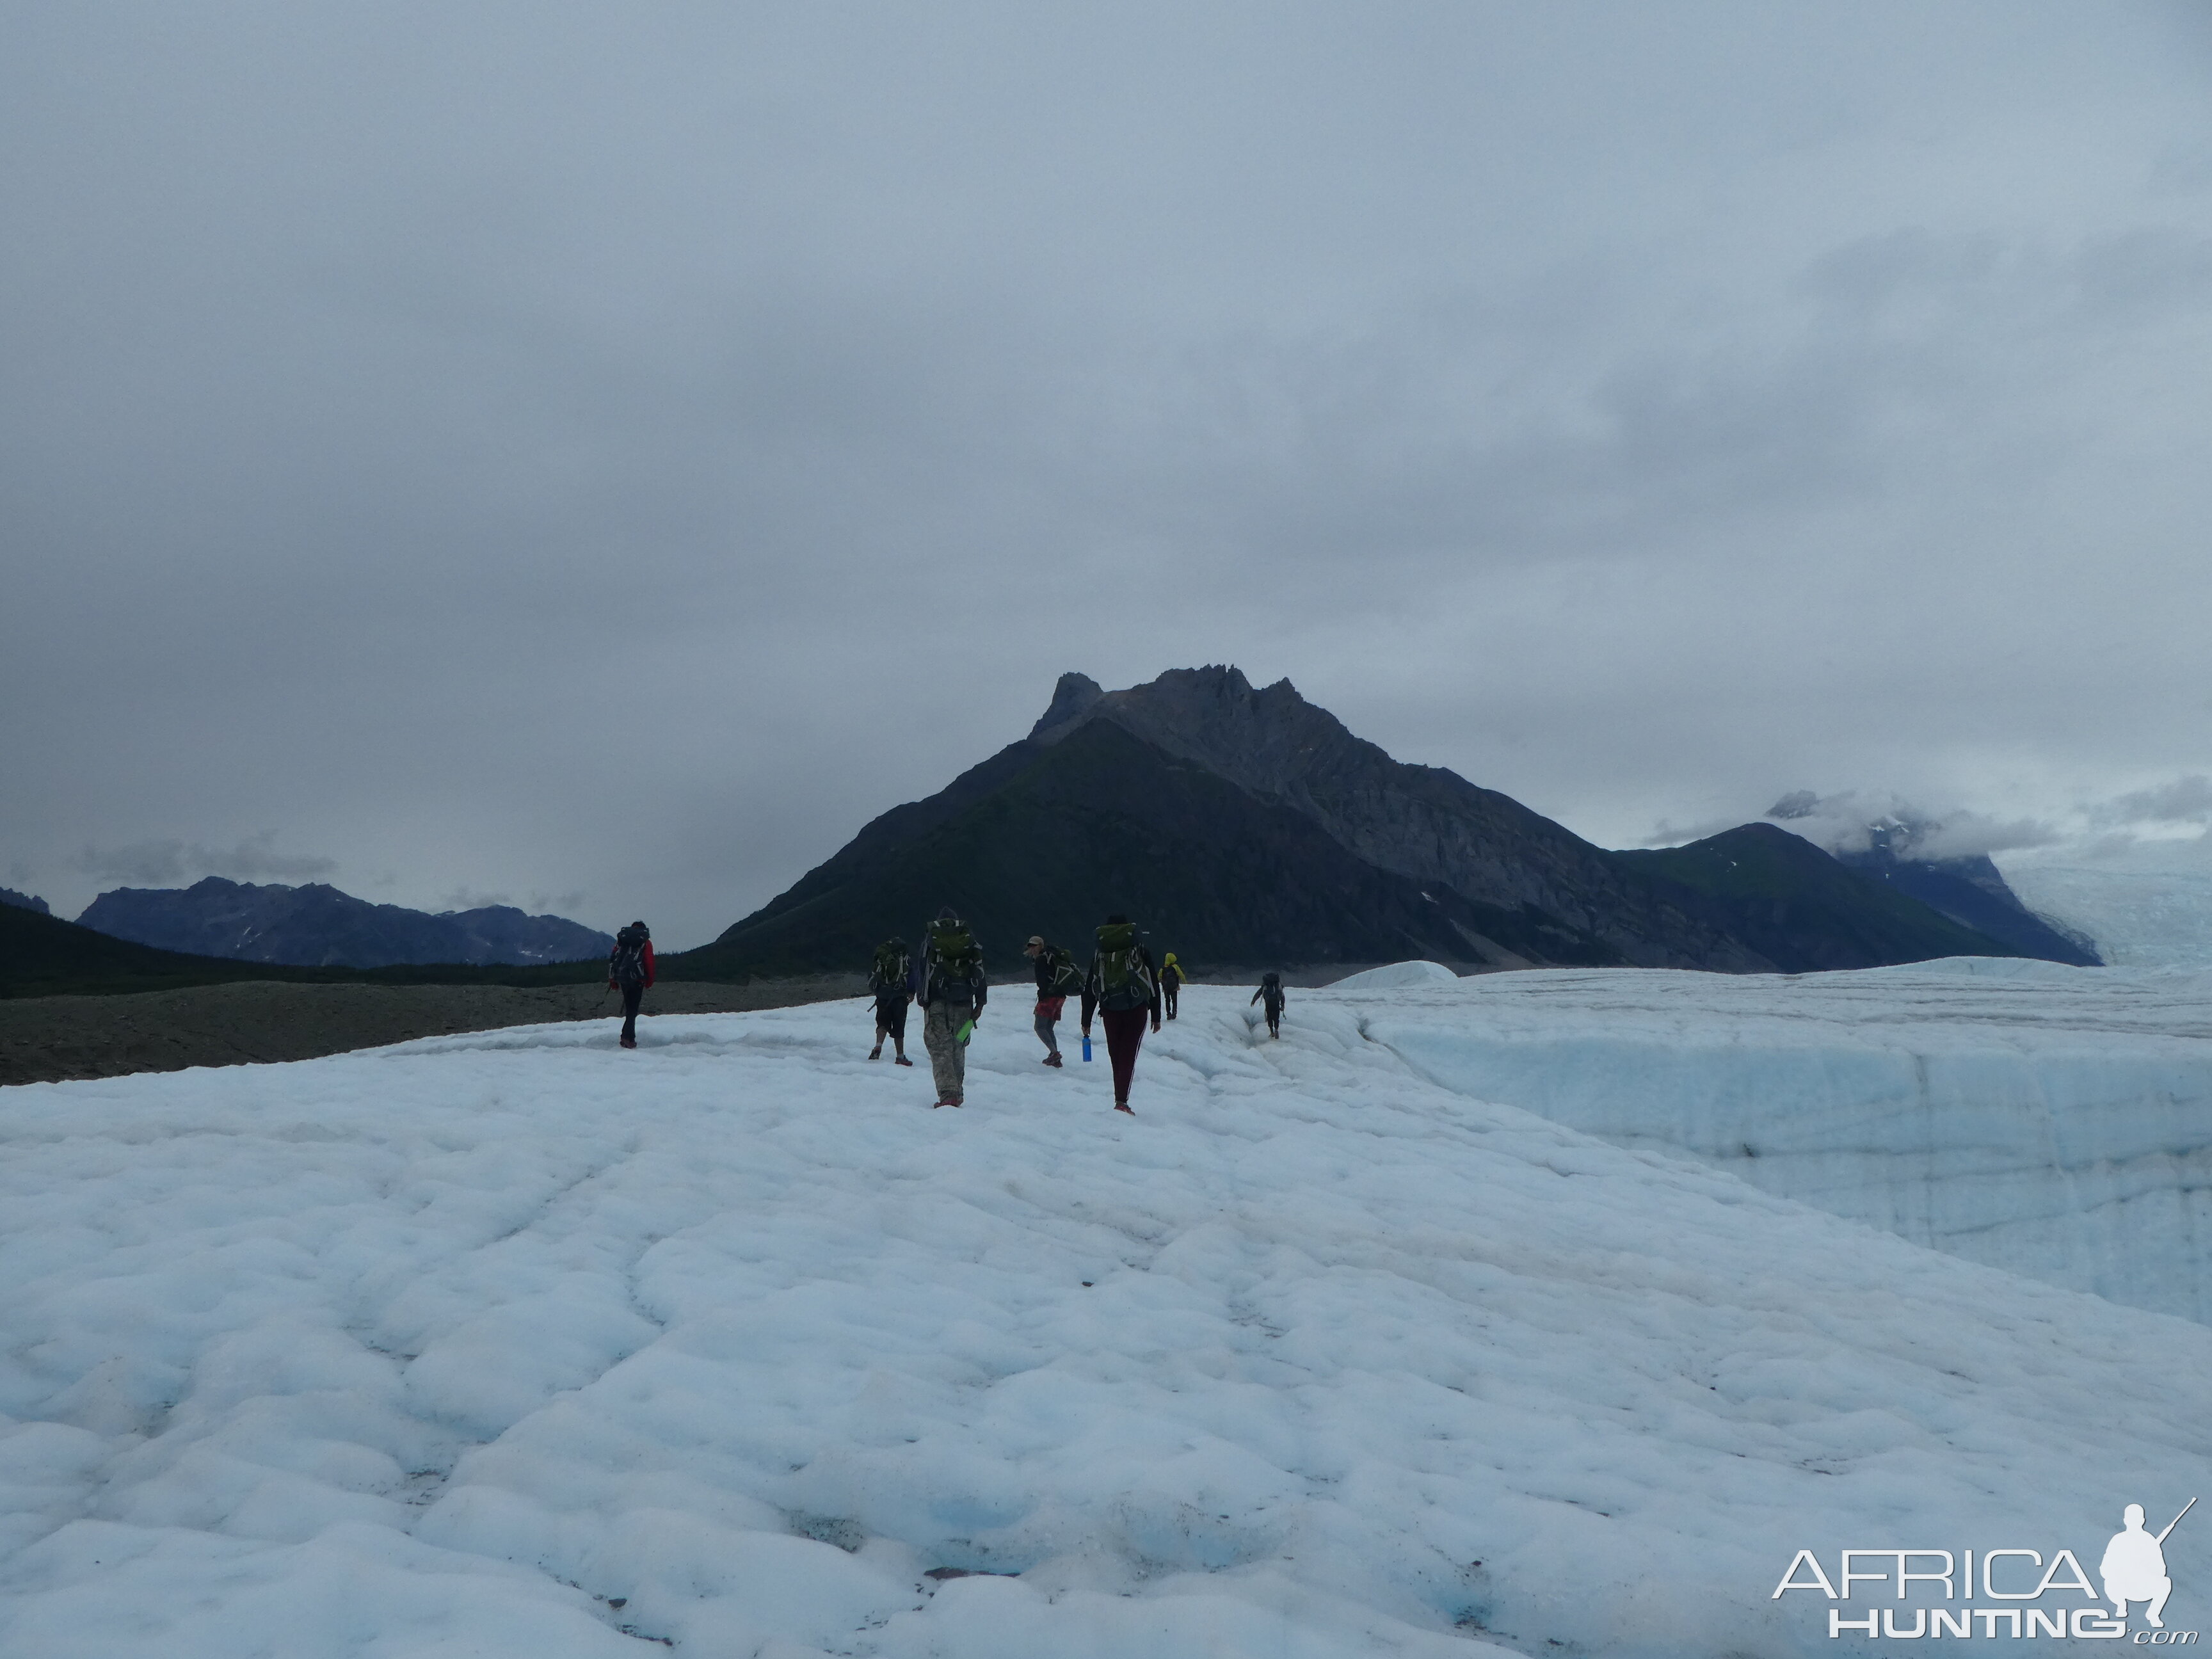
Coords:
1245,827
43,956
319,927
23,901
1971,890
1242,828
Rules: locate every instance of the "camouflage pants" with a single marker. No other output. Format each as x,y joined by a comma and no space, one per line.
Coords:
948,1058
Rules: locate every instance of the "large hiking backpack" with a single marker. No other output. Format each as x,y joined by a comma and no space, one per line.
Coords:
1067,977
956,963
1125,977
627,966
891,969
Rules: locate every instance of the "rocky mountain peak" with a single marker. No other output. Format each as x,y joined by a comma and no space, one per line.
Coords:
1267,739
1072,699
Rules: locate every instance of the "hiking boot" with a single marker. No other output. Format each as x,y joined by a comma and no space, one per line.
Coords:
629,1043
1123,1106
876,1053
903,1060
1052,1059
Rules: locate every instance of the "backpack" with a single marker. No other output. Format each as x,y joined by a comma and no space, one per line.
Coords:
1125,977
891,969
956,964
627,965
1067,977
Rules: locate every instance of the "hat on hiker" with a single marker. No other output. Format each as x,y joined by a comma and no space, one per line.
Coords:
1036,939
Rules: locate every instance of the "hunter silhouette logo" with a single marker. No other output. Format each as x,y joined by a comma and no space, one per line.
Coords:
2133,1569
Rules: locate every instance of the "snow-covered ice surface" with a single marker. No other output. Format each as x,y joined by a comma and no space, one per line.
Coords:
1396,976
2055,1121
515,1344
2142,917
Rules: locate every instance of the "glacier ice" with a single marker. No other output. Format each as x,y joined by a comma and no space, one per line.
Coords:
2050,1121
517,1344
1397,975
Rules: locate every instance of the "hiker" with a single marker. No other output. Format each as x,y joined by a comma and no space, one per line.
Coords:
1271,987
1057,979
952,992
1124,986
891,981
630,969
1172,978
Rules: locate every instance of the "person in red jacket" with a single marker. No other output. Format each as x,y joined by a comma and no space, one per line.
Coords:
630,969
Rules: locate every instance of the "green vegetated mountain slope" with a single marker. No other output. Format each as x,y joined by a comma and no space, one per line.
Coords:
1049,837
44,956
1242,827
1793,903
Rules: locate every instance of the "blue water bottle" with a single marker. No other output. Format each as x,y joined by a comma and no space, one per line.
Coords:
1086,1045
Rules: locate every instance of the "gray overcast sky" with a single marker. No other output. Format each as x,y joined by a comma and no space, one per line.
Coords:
602,455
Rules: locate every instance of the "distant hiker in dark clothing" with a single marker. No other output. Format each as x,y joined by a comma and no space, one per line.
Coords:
1058,978
630,969
952,994
890,980
1271,987
1172,978
1124,986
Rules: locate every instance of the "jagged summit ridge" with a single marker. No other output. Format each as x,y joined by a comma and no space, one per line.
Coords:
1268,739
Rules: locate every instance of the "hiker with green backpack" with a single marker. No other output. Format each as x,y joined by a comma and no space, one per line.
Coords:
1270,995
952,991
890,980
1124,986
1058,978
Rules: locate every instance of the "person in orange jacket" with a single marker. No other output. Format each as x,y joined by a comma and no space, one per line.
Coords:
629,971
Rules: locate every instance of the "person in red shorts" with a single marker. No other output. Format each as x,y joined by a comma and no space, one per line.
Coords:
1123,987
1056,977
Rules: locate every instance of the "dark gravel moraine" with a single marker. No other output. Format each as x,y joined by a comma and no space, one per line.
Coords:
51,1039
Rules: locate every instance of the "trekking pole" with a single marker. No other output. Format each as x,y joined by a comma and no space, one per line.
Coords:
2176,1521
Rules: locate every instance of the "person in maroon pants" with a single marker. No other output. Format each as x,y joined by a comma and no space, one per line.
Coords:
630,969
1123,987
